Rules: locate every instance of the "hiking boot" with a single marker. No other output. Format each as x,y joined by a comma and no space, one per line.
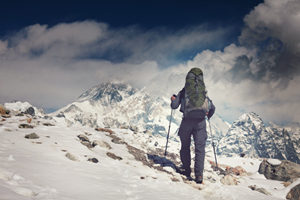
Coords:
199,179
187,173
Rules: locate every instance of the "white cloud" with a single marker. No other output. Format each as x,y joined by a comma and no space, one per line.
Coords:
52,66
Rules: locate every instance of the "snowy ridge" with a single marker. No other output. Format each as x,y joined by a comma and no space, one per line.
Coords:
23,106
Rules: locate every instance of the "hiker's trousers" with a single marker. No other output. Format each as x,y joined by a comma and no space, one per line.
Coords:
196,128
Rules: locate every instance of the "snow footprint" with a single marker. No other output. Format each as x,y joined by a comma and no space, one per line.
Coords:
25,191
16,184
5,175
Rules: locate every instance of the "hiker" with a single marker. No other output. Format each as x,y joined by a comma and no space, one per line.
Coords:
195,105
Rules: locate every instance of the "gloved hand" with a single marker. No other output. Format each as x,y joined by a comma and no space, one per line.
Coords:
208,115
173,97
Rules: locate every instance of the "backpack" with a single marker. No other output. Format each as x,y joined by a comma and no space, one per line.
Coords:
195,94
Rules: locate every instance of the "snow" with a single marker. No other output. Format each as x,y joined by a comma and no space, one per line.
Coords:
39,169
274,161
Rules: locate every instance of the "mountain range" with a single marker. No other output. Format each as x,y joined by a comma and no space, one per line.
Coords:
121,105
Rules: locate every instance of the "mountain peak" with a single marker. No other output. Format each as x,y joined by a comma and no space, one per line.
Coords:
110,91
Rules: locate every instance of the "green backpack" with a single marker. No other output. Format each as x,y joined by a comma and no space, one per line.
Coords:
195,92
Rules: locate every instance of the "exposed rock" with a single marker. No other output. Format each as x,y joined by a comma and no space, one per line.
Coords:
6,111
228,180
174,179
94,160
30,111
27,119
102,144
261,190
113,156
135,129
71,157
61,114
25,126
32,136
83,138
6,116
104,130
285,184
238,171
294,194
87,144
2,111
48,124
125,127
20,114
117,140
286,171
148,132
88,134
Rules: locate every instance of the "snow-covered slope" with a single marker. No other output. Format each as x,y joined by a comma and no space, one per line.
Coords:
249,135
39,169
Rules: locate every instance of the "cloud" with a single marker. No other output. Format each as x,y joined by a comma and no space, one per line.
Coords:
273,29
51,66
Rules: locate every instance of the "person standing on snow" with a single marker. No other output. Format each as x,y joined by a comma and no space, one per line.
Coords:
195,105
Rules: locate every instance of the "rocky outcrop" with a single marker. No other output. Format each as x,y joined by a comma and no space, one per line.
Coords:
30,111
32,136
94,160
25,126
113,156
229,180
102,144
83,138
279,170
104,130
294,194
4,110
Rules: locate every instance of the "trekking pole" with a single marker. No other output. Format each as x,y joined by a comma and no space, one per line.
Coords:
168,132
213,144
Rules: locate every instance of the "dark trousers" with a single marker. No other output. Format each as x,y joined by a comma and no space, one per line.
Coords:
196,128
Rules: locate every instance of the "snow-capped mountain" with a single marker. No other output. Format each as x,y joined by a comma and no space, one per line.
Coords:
122,105
283,142
249,135
292,127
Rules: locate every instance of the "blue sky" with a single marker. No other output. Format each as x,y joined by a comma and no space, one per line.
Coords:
53,51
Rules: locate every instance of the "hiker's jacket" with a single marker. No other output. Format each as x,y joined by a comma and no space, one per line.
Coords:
192,114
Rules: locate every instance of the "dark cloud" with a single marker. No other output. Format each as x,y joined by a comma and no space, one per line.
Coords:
272,30
241,69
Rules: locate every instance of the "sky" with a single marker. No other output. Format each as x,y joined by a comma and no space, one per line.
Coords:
53,51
